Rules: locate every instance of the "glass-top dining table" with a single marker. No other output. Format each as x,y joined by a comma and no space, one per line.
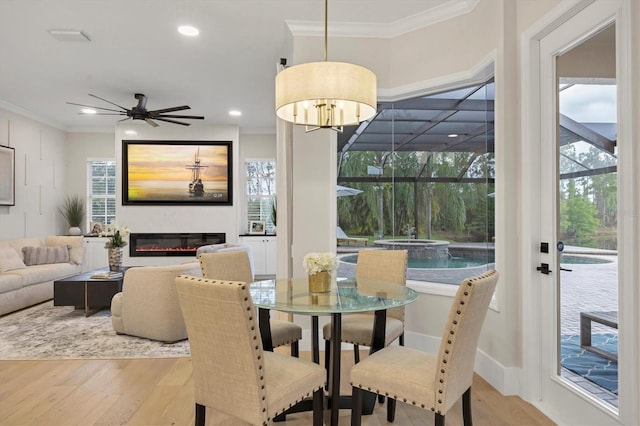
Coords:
346,296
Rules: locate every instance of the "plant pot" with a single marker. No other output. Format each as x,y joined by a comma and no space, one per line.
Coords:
115,259
74,230
320,282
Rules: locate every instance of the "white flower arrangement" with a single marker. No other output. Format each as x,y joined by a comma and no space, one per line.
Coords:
117,238
316,262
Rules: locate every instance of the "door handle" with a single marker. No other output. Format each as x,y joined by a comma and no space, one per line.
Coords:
544,268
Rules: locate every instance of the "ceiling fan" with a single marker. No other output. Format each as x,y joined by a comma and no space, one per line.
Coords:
140,112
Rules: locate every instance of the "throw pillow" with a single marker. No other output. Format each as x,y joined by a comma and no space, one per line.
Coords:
45,255
10,260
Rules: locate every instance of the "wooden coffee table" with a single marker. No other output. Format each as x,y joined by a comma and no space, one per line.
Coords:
84,292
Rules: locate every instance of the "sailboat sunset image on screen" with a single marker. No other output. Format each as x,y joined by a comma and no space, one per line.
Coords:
196,187
177,172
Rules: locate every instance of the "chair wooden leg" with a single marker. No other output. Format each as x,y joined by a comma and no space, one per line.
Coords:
381,399
439,420
327,351
295,349
356,406
391,410
356,354
466,407
401,339
318,407
201,411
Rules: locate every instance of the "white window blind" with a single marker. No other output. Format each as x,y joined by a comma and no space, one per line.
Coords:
101,191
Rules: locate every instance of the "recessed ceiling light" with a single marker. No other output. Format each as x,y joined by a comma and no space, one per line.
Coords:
188,30
235,113
453,135
88,111
130,132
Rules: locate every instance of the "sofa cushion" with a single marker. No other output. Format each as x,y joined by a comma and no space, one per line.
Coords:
45,273
45,255
19,243
10,282
76,244
10,260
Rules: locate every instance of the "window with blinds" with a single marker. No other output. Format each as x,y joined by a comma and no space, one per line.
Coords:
101,191
261,192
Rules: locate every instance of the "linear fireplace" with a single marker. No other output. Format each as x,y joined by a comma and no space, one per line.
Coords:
171,244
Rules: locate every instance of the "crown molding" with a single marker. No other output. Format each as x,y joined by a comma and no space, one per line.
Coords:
28,114
478,74
389,30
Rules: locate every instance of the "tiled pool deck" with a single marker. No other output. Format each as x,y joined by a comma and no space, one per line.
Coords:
590,287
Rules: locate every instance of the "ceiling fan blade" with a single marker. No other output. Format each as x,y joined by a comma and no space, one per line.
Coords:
124,119
91,106
191,117
104,113
178,108
172,121
151,122
109,102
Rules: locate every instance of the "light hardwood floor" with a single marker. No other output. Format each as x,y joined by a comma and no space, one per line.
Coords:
160,392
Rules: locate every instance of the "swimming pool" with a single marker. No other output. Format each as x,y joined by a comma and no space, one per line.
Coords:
465,261
446,263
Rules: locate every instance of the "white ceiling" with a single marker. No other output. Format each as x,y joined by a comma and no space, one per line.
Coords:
135,48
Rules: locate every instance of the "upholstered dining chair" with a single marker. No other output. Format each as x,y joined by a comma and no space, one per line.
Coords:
383,265
433,382
231,372
236,266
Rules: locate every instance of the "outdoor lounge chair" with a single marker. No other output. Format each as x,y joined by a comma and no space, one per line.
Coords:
345,239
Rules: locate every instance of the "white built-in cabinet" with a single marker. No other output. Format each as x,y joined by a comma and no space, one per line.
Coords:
264,252
95,253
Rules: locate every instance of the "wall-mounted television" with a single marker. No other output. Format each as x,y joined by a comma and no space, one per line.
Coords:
177,172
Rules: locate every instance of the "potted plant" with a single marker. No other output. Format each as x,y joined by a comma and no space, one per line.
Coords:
114,245
73,213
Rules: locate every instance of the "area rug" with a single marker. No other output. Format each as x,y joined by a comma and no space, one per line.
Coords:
592,367
62,332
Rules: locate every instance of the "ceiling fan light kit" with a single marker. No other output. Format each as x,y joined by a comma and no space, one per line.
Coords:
326,94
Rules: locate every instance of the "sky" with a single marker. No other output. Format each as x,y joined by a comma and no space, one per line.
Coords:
589,103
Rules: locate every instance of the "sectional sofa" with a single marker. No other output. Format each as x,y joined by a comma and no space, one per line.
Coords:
28,268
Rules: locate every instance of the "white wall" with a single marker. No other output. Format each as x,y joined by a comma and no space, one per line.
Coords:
253,147
41,161
82,147
176,218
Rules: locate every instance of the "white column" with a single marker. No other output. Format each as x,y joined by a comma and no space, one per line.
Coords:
313,194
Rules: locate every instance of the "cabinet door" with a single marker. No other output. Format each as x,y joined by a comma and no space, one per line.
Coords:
95,253
271,252
258,248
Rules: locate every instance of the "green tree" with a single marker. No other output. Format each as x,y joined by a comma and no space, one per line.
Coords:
578,218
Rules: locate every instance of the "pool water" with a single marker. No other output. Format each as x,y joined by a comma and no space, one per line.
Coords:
450,263
582,260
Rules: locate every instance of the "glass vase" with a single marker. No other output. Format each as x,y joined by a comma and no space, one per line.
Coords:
320,282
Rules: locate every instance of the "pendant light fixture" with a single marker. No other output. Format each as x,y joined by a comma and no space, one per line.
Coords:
326,94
